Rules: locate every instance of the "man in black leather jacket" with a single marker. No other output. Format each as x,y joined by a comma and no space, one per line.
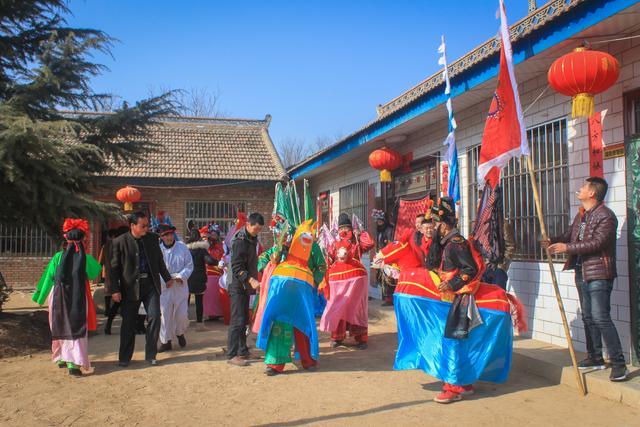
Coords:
591,246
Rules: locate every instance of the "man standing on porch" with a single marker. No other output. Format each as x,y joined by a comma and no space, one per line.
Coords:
590,243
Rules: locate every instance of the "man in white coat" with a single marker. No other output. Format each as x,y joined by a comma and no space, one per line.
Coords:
174,299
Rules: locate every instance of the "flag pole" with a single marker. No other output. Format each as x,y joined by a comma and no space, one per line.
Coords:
554,279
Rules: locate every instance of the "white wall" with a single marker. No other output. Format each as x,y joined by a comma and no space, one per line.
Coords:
531,281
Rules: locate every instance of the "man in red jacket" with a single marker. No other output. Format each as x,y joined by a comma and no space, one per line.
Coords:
591,246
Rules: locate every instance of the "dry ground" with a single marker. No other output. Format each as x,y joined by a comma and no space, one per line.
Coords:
196,386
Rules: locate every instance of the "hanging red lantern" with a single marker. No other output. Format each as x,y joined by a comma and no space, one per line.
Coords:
581,74
128,195
385,160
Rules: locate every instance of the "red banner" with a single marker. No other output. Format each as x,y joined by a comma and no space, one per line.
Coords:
595,144
407,213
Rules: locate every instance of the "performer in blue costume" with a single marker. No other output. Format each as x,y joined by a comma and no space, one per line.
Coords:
289,313
450,325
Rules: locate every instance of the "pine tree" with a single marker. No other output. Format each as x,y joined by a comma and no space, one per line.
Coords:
52,154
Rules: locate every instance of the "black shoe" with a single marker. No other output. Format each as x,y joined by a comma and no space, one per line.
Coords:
75,372
618,373
123,364
165,347
107,330
270,372
336,344
362,346
589,363
182,340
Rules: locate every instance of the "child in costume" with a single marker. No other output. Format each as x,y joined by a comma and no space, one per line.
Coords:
211,301
65,285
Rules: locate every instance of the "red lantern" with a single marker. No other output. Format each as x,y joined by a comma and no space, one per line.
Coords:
128,195
385,160
581,74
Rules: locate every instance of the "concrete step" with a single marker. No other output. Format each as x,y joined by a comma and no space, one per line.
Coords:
554,364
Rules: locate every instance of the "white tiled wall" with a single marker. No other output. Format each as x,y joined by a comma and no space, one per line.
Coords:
531,281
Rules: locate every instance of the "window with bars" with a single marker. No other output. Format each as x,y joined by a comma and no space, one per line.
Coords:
353,199
26,241
223,213
549,149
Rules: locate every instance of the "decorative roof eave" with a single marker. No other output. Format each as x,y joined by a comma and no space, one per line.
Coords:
519,30
594,11
166,182
221,121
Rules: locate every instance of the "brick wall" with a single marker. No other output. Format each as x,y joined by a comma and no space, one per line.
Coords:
24,272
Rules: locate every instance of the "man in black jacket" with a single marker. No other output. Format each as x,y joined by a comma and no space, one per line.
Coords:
136,267
244,268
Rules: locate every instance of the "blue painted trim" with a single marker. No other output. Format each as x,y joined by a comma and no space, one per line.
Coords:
558,31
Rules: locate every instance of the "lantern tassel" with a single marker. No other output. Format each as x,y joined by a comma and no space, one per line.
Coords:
583,105
385,175
128,206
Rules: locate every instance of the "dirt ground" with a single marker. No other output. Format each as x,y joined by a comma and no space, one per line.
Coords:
196,386
33,336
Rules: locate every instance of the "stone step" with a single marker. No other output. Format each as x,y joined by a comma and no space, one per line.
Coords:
554,364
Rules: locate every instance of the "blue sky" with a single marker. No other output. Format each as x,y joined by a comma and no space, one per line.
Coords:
319,68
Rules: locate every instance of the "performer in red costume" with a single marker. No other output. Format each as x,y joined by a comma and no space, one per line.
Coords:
348,305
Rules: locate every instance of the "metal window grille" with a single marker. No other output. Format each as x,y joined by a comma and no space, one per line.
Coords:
26,241
549,149
353,199
223,213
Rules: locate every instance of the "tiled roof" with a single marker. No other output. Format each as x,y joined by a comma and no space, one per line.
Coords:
207,149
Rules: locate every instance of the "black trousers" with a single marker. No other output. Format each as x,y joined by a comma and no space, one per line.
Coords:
129,311
199,307
237,339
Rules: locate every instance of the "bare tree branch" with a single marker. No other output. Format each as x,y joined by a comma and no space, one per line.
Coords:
195,102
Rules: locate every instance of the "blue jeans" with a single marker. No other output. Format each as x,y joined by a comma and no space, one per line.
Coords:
595,301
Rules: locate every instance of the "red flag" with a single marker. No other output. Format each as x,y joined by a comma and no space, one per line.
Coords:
504,132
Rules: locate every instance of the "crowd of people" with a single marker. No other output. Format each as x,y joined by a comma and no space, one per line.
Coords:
455,318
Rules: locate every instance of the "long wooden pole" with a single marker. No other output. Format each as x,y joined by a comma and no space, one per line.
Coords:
554,279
